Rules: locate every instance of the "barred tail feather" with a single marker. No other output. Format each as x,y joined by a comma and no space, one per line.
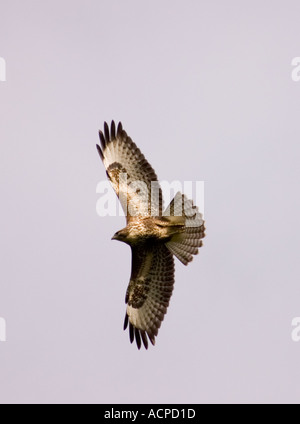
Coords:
185,243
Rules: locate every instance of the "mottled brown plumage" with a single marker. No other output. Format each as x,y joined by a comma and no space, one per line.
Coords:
152,235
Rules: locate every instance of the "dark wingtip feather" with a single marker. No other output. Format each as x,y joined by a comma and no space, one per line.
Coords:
144,338
152,339
125,321
99,151
138,338
106,132
131,332
120,128
102,140
113,130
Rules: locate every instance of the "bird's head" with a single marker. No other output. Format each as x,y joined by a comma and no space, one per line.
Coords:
121,235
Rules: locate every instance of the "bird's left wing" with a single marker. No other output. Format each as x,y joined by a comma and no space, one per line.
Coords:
131,175
149,291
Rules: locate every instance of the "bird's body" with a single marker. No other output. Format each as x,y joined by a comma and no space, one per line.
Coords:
153,238
148,229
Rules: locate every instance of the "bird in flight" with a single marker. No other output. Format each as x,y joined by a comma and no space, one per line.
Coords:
153,235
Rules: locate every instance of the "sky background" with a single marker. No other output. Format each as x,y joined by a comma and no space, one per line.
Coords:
204,88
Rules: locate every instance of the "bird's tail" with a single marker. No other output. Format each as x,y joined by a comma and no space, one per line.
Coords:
186,241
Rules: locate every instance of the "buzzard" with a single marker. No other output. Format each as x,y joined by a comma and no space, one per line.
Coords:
153,235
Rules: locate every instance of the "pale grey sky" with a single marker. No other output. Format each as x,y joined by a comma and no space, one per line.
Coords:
205,90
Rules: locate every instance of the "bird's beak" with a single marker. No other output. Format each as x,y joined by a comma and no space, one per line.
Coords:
114,237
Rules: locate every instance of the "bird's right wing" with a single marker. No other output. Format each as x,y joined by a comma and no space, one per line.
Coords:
131,175
149,291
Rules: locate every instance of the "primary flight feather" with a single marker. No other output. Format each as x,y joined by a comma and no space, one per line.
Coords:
153,235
